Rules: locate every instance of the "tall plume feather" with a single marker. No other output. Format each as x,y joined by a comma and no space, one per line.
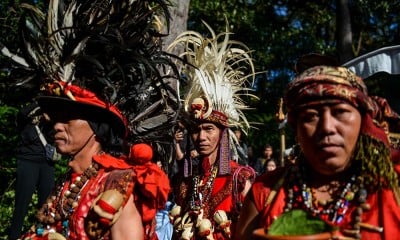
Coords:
220,69
112,48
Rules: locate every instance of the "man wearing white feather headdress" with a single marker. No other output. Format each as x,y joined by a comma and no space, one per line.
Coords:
210,194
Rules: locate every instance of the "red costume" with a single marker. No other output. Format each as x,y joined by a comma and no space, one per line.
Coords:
223,195
384,211
95,211
208,200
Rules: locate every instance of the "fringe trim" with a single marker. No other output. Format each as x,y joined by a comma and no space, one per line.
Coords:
376,165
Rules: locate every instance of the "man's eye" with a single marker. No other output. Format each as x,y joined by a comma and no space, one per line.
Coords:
308,117
339,111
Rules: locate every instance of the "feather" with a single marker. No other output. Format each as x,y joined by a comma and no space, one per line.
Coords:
221,69
114,49
15,58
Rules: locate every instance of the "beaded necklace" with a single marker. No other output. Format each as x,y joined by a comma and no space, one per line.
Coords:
201,194
60,206
353,192
301,195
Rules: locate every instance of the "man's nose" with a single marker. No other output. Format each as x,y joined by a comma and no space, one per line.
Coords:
327,122
201,134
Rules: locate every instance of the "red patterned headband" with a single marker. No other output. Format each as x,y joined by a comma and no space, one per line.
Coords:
326,84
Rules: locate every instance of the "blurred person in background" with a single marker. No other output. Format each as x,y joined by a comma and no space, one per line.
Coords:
34,170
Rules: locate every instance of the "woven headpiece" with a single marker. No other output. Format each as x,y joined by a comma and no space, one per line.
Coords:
218,70
323,84
106,55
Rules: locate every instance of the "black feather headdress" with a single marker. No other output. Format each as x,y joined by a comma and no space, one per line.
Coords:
109,48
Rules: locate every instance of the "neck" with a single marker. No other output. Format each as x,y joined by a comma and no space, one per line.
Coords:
212,157
319,179
326,187
83,159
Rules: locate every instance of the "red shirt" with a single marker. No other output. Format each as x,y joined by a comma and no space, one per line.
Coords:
384,212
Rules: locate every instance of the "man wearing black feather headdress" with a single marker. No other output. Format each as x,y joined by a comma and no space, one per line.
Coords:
106,85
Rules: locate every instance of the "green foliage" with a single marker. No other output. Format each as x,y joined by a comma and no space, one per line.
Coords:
298,222
10,17
280,32
7,207
8,141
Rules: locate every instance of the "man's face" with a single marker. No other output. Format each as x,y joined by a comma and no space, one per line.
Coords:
268,152
206,138
71,135
328,135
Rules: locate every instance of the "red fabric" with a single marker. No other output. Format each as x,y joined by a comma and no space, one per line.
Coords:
370,128
88,97
219,183
384,210
206,168
110,162
227,204
140,153
153,184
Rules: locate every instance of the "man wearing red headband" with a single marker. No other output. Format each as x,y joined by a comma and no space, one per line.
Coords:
344,180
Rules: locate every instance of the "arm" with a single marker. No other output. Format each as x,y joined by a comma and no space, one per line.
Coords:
179,153
248,219
247,186
178,139
129,225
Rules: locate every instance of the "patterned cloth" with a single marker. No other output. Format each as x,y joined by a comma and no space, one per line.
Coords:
325,84
328,85
224,196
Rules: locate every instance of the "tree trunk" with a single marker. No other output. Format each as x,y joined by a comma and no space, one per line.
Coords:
343,31
179,15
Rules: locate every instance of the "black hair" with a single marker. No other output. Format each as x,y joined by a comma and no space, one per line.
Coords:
110,141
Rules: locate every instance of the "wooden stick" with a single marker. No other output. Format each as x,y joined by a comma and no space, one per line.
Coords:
371,227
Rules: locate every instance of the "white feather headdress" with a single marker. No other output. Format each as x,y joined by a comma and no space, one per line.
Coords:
220,71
